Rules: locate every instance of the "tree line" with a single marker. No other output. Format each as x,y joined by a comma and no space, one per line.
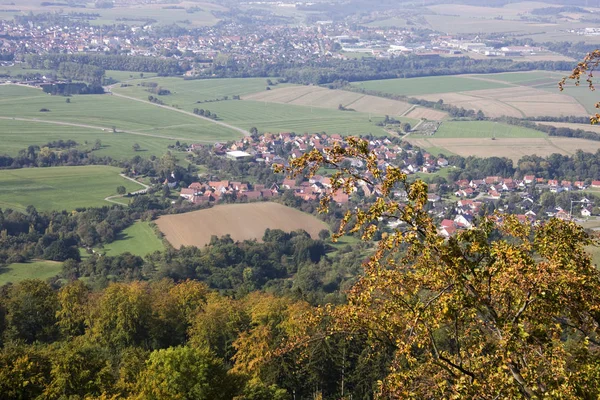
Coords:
164,67
320,72
580,166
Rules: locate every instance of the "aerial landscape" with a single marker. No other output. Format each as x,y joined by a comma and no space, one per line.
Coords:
325,199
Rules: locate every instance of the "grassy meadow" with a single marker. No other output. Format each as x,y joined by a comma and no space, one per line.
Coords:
483,129
139,239
428,85
186,93
37,269
273,117
60,188
106,111
17,135
266,116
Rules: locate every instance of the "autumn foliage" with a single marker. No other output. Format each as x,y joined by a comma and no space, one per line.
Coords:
503,310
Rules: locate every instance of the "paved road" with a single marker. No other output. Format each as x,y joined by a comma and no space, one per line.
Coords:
141,191
226,125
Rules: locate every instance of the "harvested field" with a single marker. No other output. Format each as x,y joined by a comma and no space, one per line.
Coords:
316,96
517,101
571,145
241,221
426,113
513,148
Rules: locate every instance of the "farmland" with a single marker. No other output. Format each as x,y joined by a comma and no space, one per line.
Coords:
186,93
135,14
37,269
483,129
316,96
105,111
268,110
513,18
88,118
474,138
139,239
60,188
513,148
428,85
241,221
519,94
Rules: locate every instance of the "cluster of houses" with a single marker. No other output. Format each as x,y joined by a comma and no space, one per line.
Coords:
472,195
215,191
494,187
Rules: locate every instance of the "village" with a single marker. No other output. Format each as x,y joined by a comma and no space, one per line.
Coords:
455,204
267,44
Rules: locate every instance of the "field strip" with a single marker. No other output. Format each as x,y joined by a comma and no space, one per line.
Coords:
226,125
290,101
558,148
162,128
478,78
354,101
499,101
408,111
45,121
20,98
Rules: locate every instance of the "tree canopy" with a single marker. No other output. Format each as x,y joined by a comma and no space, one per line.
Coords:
503,310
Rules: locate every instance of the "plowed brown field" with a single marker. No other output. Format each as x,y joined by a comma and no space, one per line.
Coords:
241,221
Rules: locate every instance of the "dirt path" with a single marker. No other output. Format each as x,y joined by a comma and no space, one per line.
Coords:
141,191
221,123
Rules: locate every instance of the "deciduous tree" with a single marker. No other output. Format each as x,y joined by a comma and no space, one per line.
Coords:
503,310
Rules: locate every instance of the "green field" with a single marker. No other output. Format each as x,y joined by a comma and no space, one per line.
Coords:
138,239
39,269
127,75
185,93
428,85
525,78
17,135
107,111
274,117
267,117
481,129
60,188
153,128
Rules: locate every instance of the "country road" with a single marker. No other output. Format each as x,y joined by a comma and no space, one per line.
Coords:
46,121
244,132
141,191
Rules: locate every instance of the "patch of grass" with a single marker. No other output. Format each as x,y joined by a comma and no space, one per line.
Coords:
21,69
274,117
139,239
481,129
127,75
186,93
106,111
37,269
428,85
582,94
18,135
524,78
60,188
